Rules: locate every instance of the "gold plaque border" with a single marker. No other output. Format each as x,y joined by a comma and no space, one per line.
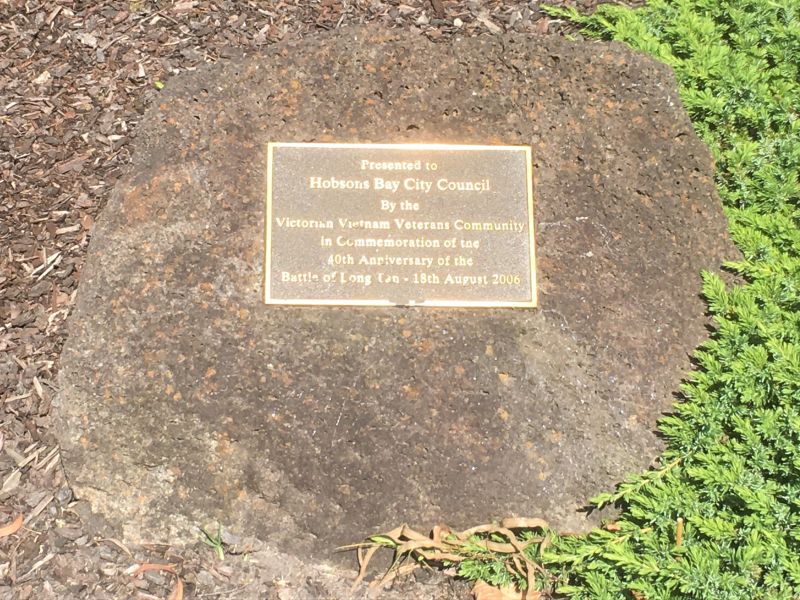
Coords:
533,303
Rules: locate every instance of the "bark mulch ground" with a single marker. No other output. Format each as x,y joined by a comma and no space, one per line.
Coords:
75,77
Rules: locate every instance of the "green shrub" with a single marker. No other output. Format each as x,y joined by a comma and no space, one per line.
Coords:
731,471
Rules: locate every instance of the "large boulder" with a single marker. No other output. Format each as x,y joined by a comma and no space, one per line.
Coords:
186,400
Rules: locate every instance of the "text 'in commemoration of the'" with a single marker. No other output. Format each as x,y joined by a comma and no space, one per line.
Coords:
399,224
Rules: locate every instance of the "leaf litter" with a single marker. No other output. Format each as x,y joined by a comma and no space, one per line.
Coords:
446,548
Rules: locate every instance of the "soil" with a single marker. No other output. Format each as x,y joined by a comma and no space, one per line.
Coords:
75,78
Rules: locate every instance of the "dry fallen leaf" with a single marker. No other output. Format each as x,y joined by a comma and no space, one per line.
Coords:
483,591
177,591
543,25
153,567
12,527
523,523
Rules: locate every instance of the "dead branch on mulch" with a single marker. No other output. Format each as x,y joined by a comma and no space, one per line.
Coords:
447,548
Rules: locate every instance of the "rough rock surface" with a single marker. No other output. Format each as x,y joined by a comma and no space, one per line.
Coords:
186,400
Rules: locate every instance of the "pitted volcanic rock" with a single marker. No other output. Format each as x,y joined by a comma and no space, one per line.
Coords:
186,400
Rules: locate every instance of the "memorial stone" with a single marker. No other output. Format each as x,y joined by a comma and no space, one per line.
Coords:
187,399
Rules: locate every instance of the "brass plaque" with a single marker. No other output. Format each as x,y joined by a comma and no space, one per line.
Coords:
399,224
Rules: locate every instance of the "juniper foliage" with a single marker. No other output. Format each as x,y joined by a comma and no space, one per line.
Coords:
731,471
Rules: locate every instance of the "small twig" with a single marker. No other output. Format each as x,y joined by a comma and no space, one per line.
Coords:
117,543
225,593
19,397
36,566
114,41
46,263
679,533
39,508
